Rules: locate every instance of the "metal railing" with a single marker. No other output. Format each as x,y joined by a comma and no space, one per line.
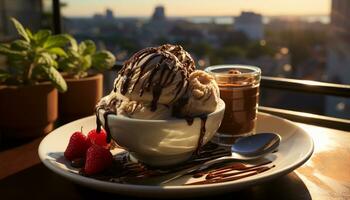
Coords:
306,86
308,118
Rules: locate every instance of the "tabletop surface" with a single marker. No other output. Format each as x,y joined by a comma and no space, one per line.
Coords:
325,176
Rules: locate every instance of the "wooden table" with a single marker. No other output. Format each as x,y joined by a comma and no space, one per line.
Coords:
325,176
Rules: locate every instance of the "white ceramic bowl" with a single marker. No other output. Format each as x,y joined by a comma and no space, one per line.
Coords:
162,142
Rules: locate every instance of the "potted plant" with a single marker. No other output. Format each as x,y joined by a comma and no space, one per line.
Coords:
29,83
81,69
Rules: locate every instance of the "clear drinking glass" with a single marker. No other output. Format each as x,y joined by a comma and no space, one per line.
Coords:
239,88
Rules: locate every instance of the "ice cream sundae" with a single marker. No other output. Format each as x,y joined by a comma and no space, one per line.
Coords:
162,103
161,112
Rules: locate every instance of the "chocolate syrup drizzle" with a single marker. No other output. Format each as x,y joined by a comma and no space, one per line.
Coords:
231,172
173,60
201,133
189,120
110,109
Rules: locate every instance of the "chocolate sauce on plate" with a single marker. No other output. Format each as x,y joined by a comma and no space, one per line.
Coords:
231,172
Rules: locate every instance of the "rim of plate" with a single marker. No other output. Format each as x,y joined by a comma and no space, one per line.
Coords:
243,182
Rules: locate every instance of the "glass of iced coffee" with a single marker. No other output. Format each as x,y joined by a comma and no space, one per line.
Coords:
239,88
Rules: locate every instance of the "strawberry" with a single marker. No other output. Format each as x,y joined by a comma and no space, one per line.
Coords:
77,146
97,160
98,138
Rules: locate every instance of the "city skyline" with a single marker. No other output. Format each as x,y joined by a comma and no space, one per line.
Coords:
144,8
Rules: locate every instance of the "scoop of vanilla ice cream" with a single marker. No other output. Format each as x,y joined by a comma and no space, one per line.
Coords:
112,101
133,109
156,75
203,95
139,110
183,56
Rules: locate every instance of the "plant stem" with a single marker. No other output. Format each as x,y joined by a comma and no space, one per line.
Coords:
28,73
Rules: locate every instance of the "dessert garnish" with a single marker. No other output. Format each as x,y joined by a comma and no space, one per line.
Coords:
98,138
90,153
97,160
77,146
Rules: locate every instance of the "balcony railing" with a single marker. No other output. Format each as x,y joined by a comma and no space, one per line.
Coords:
306,86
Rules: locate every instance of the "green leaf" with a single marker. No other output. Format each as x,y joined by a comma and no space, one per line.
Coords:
56,41
73,42
86,62
20,45
4,49
56,78
57,51
9,52
4,75
30,34
73,54
87,47
41,36
45,59
81,48
66,65
20,29
103,60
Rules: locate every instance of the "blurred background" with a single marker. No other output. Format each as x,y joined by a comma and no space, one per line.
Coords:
297,39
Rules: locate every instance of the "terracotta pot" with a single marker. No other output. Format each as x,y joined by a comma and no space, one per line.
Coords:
81,97
27,111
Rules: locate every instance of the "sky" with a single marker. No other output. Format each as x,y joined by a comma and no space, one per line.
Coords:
174,8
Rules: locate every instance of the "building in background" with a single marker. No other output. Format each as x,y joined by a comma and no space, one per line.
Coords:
158,14
251,24
158,26
338,58
29,13
109,15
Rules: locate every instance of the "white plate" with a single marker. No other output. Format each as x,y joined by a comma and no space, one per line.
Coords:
295,149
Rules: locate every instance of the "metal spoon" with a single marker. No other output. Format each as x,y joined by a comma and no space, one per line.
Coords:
245,148
255,146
